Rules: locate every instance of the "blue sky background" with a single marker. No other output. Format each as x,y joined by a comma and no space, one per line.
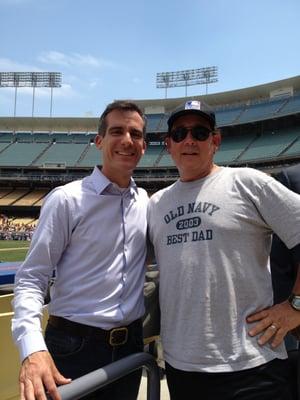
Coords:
110,50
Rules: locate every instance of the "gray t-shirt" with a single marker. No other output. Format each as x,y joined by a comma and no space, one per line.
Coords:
212,239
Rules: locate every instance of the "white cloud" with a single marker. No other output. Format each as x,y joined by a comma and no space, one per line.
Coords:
74,85
94,83
73,59
65,91
7,65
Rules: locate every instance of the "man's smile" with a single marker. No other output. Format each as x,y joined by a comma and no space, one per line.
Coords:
123,153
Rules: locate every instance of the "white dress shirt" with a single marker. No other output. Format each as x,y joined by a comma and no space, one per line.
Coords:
92,234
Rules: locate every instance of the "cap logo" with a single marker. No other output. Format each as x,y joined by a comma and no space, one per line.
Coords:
192,105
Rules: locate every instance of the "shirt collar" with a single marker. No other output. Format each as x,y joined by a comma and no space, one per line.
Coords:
101,183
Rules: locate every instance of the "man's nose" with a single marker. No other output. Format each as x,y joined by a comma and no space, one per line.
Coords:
127,137
189,137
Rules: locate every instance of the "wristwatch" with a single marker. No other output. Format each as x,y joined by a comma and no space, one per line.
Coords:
294,301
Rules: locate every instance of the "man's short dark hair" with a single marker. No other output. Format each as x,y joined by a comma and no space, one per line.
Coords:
121,105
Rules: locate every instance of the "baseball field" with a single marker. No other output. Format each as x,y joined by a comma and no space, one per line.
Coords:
13,250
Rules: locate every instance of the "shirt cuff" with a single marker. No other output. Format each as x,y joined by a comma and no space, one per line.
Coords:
31,343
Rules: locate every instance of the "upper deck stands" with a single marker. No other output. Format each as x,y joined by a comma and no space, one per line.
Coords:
227,117
232,147
291,106
264,110
76,149
270,145
242,147
21,154
294,148
91,156
6,137
61,153
151,155
154,121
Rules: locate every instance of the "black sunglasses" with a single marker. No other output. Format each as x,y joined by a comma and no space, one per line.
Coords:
198,132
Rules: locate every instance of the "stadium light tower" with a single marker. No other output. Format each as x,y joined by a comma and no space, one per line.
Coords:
189,77
31,79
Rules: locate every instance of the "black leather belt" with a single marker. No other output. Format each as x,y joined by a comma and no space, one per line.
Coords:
115,337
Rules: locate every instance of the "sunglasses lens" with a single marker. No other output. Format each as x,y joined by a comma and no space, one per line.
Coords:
198,132
179,134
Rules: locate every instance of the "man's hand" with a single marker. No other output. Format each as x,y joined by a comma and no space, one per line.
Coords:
39,375
274,323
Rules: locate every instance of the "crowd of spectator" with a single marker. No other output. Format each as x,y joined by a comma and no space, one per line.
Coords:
11,229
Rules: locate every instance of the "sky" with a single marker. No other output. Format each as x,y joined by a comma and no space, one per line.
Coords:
107,50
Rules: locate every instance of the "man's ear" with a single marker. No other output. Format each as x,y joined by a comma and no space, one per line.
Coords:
167,144
144,147
217,139
98,141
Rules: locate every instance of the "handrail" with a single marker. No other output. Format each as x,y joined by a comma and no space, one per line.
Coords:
103,376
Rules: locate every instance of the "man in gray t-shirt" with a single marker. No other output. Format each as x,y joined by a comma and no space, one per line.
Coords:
212,232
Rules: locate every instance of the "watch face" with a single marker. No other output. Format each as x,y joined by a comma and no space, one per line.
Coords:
295,302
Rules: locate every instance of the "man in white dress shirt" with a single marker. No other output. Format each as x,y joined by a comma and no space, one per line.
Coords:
91,233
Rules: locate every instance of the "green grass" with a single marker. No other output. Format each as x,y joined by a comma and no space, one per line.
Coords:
12,250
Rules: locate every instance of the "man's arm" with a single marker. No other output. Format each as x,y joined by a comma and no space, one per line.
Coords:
275,322
31,284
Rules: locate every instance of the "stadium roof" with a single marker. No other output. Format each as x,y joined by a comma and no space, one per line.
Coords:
249,94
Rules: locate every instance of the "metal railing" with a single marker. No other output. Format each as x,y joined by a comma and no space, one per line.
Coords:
101,377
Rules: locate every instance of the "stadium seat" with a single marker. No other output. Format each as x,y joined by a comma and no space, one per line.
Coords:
21,154
269,145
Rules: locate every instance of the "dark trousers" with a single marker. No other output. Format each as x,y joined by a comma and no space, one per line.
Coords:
76,355
294,373
266,382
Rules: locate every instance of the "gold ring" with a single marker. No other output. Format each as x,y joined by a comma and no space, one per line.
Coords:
273,327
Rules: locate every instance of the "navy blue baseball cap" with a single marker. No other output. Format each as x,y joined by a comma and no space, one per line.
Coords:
193,107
